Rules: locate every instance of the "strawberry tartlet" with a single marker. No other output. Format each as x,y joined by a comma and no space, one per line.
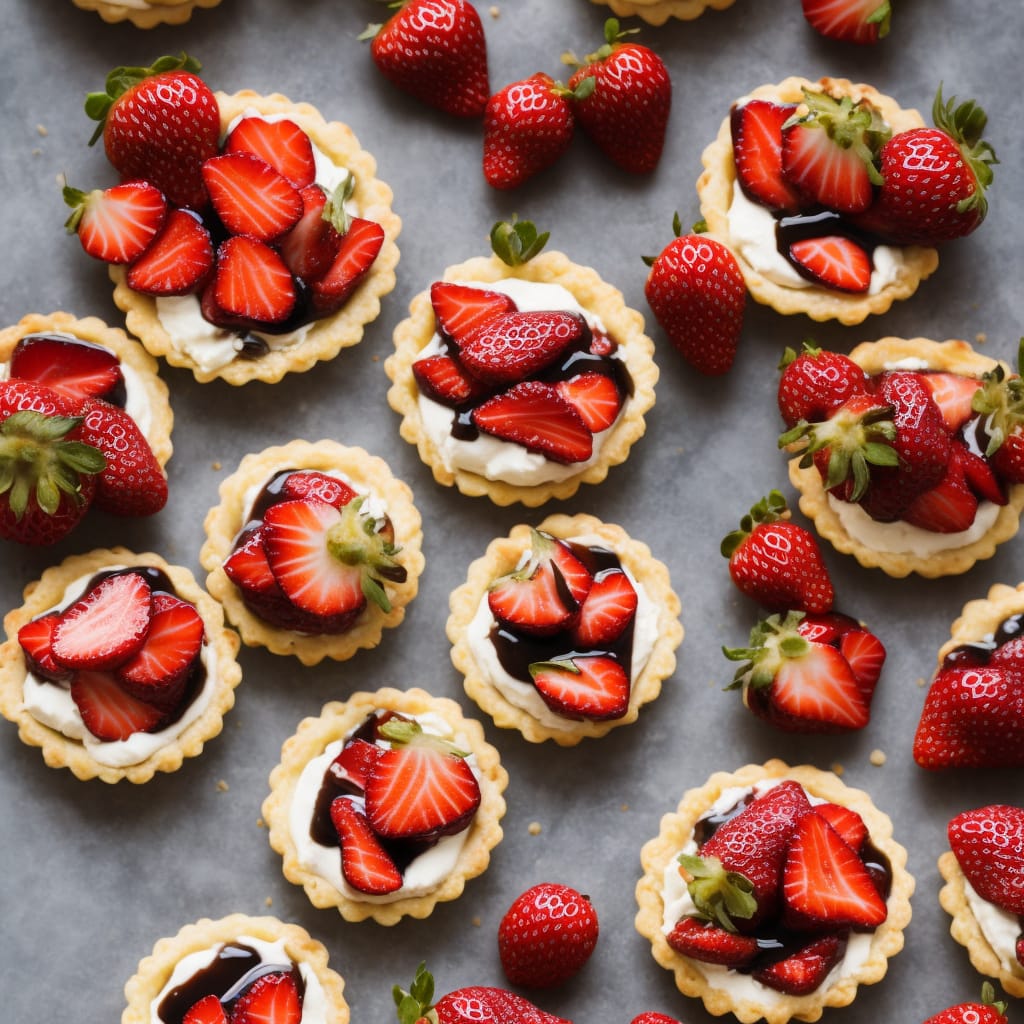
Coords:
657,12
774,892
118,666
386,804
145,13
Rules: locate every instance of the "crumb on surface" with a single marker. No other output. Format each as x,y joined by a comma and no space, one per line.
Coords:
269,901
624,807
494,11
260,823
41,128
838,768
36,151
922,681
476,922
877,757
222,786
215,465
534,828
981,337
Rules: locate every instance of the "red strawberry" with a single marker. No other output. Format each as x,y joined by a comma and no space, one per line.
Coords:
508,349
977,471
544,595
460,308
834,261
756,129
704,941
653,1017
816,382
848,824
132,483
697,295
625,109
117,224
250,197
778,563
159,124
547,935
282,144
528,125
595,396
442,379
309,248
949,507
207,1011
607,610
270,999
178,261
435,50
310,483
106,626
1001,402
954,395
587,686
354,761
252,281
108,712
534,415
988,1011
36,641
802,972
865,655
365,864
421,788
851,21
73,368
359,247
988,843
825,883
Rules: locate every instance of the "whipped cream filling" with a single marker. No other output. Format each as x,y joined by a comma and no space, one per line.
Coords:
52,706
1000,927
489,456
314,1000
677,904
422,875
523,694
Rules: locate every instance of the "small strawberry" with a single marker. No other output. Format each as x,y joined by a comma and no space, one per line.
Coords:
310,483
547,935
802,972
250,197
594,687
282,144
696,292
609,607
595,396
159,124
988,843
848,824
178,261
864,653
707,942
360,245
445,380
816,382
756,132
252,282
354,762
988,1011
73,368
207,1011
435,50
626,109
116,224
365,864
834,261
850,21
107,711
36,641
270,999
460,308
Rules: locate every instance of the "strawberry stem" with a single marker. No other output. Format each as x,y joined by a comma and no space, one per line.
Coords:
719,895
769,509
516,241
417,1003
772,642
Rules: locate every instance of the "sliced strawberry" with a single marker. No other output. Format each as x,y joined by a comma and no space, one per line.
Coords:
827,627
704,941
252,281
508,349
354,761
601,344
588,686
159,671
117,224
310,483
178,261
359,248
846,821
107,711
421,788
461,308
443,380
825,884
36,640
825,172
978,473
756,128
207,1011
949,507
819,689
282,144
850,21
834,261
595,396
365,864
309,248
247,566
865,654
106,626
803,972
250,197
608,609
534,415
270,999
74,368
953,394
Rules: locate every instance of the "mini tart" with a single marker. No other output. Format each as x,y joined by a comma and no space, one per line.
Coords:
328,336
128,351
156,969
657,12
676,830
501,557
715,188
335,722
366,473
61,752
874,357
145,13
597,297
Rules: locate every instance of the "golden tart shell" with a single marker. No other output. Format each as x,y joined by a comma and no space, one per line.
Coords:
156,12
657,12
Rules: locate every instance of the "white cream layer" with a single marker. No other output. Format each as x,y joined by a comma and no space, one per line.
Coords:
1001,929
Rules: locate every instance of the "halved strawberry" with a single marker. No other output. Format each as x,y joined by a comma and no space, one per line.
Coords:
978,473
835,261
847,823
106,626
421,788
608,609
178,261
444,380
74,368
508,349
116,224
535,415
252,281
354,761
948,507
36,640
865,654
360,246
282,144
953,394
310,483
107,711
595,396
159,671
802,972
247,566
851,21
207,1011
311,245
270,999
587,686
705,941
460,308
756,128
365,864
250,197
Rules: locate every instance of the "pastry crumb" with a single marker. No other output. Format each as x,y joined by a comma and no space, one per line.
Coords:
476,922
981,337
534,828
269,901
222,786
838,768
215,466
494,11
877,757
922,681
41,128
36,151
374,359
624,807
260,823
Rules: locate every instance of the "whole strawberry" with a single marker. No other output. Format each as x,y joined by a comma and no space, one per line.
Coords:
435,50
696,292
988,1011
816,382
626,112
159,124
653,1017
547,935
988,844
